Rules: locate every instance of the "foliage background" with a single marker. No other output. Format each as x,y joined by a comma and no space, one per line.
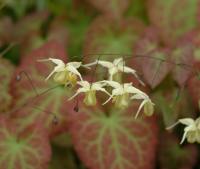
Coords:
159,38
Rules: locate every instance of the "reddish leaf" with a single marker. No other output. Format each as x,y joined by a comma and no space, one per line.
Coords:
28,31
183,57
116,141
151,59
173,156
107,36
194,38
28,149
49,108
28,24
193,86
169,17
6,71
155,67
115,8
58,31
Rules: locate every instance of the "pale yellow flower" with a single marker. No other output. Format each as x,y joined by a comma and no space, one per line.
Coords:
123,93
90,91
64,73
118,65
191,131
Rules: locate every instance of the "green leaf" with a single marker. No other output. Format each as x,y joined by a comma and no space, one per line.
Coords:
27,149
115,140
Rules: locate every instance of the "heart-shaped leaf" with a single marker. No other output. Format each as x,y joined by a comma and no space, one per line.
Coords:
194,38
114,140
183,57
156,66
169,17
6,71
28,149
49,107
108,36
114,8
152,60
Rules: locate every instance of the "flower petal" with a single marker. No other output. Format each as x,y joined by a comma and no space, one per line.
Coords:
187,121
73,70
80,90
105,64
75,64
112,83
139,109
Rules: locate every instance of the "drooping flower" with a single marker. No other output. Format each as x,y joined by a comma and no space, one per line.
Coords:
90,91
191,131
123,93
146,103
118,65
64,73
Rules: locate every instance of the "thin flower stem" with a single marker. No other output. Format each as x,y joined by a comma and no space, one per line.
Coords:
29,80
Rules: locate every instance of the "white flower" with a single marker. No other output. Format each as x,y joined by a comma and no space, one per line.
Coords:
118,65
90,90
191,131
146,103
61,66
120,93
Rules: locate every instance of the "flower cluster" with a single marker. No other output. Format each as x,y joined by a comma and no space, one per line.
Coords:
121,94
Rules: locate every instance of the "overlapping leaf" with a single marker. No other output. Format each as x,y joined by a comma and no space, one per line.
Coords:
48,107
170,18
115,8
107,36
115,140
182,56
6,71
153,60
27,149
194,38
